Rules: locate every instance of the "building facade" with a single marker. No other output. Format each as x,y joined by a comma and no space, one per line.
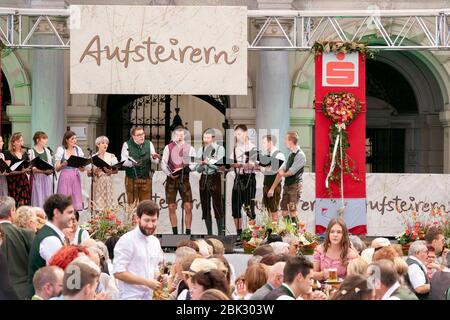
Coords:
408,118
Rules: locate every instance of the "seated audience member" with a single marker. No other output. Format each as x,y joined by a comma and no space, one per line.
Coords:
335,252
217,245
89,274
209,279
189,243
190,268
417,278
293,243
255,278
402,269
26,218
432,265
263,250
213,294
357,266
176,276
204,248
240,288
389,286
297,285
64,256
357,243
387,252
440,284
280,247
47,283
224,266
354,287
274,281
435,238
376,245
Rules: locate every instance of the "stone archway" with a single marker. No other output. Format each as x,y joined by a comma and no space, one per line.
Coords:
19,111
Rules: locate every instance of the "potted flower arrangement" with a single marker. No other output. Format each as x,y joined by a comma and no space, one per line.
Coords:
308,242
252,236
416,225
111,222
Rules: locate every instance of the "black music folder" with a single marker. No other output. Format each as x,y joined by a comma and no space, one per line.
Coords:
78,162
100,163
40,164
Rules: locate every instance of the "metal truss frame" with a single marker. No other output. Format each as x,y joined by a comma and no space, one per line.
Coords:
382,29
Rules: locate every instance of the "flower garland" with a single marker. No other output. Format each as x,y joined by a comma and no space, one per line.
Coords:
341,108
320,47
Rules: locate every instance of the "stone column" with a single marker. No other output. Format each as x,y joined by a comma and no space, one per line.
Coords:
444,116
48,104
273,86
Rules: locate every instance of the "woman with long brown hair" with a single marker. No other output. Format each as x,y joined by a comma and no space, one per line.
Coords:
69,182
335,253
18,181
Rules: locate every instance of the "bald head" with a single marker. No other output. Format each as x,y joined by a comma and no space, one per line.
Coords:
276,274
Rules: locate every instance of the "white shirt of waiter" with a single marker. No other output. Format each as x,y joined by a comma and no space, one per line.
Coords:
138,254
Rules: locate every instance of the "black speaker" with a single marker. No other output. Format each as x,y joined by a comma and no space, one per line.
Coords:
170,241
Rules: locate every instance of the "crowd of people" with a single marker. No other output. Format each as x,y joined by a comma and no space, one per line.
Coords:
39,260
43,246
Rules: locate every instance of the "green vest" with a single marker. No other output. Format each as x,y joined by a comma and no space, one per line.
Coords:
269,179
35,260
138,153
404,294
297,176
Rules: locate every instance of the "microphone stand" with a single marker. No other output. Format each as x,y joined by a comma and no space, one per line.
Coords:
54,173
92,182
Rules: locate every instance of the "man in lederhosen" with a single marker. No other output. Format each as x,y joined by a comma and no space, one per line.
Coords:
176,165
210,185
291,171
244,187
270,172
138,154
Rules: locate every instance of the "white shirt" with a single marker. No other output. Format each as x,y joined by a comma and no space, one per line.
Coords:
241,149
416,274
183,295
165,159
125,154
84,236
140,255
50,245
390,291
287,297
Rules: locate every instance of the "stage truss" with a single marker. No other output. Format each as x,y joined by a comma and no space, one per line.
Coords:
383,29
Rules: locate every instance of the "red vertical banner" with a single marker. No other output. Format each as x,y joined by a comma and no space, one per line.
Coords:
341,74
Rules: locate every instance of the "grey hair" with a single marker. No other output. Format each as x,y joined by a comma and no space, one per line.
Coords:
357,243
183,252
101,139
290,239
416,246
7,204
102,248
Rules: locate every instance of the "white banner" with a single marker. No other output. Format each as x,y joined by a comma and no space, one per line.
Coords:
385,193
158,50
